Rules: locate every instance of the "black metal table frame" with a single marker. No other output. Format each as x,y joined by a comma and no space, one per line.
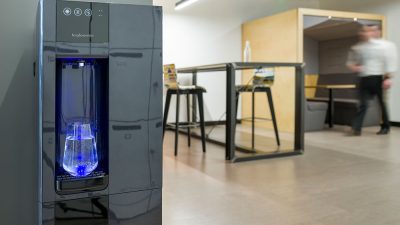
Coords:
230,69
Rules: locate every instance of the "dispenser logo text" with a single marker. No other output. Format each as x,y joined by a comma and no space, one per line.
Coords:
82,35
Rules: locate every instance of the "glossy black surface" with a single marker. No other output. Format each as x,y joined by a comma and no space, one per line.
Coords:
82,22
134,208
135,97
87,211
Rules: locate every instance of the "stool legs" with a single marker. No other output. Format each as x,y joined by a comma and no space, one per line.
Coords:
201,112
166,110
237,109
177,123
272,109
253,112
188,117
202,124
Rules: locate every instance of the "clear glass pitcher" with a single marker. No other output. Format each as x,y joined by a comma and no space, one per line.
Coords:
80,153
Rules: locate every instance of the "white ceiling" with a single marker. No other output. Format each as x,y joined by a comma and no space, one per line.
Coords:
244,9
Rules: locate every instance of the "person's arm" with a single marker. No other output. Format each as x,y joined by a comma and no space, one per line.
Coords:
353,63
390,64
388,76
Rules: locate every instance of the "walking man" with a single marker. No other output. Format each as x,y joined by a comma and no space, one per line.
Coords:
374,61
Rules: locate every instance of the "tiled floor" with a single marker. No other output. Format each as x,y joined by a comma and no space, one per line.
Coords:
338,181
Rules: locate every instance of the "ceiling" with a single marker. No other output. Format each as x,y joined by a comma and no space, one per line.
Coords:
333,29
243,9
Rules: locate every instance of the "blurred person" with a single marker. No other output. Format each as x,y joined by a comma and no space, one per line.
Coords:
374,63
391,54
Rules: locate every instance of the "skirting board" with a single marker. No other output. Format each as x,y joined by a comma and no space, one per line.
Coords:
395,124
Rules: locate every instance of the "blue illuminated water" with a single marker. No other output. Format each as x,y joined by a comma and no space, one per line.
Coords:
80,153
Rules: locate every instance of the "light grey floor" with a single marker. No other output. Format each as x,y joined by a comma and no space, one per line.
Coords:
339,180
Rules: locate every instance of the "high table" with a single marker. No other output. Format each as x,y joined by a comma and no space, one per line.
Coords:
230,69
331,88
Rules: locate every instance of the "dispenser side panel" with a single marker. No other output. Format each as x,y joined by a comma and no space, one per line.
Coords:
158,29
131,26
49,20
156,153
48,122
130,157
132,61
156,86
129,82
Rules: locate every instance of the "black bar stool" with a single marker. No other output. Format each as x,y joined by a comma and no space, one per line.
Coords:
197,91
254,89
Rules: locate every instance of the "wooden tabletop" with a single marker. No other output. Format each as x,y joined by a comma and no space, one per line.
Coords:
334,86
237,66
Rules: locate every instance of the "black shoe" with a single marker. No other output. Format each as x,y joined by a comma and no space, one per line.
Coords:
383,131
354,133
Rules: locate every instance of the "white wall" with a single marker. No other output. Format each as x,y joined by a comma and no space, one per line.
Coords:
391,9
192,41
209,32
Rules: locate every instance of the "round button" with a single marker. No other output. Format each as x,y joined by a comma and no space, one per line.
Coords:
88,12
78,12
67,11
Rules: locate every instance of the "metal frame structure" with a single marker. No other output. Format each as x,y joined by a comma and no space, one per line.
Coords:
230,69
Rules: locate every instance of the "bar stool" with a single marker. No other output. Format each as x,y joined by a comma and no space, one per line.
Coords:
258,88
188,91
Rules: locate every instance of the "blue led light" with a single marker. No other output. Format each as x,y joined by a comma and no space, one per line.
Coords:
80,153
81,62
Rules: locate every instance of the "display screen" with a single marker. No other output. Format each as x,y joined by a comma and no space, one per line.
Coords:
82,22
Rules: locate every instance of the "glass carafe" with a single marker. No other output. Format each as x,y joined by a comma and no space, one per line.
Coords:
80,153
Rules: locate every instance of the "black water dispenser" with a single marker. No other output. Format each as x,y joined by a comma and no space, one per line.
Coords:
99,113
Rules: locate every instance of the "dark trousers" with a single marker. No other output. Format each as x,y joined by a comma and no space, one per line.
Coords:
369,87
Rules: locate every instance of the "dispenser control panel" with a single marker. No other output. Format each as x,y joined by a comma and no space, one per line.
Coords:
82,22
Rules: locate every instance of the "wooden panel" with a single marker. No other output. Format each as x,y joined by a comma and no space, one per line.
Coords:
332,29
273,39
310,80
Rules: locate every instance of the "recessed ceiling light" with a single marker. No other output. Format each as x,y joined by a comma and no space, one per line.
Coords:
183,4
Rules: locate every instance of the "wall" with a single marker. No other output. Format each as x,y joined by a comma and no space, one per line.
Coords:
333,55
17,20
391,9
195,40
210,32
311,55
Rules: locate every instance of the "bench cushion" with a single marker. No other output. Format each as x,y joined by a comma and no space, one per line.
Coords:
317,106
